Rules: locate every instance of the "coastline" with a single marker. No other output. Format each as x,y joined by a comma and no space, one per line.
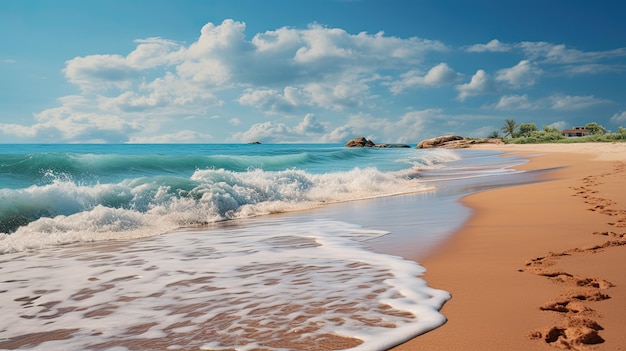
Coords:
538,265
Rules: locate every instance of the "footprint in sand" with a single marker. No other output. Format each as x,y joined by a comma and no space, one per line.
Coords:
577,328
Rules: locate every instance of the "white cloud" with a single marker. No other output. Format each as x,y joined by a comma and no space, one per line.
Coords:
619,117
493,46
594,68
74,121
274,101
287,71
100,71
407,128
554,102
561,54
514,102
481,83
309,129
483,132
523,74
350,91
169,94
321,44
310,125
560,125
438,75
566,102
223,56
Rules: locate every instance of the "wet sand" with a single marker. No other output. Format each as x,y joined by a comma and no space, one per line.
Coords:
538,266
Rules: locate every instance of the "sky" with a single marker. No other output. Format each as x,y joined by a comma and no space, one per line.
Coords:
323,71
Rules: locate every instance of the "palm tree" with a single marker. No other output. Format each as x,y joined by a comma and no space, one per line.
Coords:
509,127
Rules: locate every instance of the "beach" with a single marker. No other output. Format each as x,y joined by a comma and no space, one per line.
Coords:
538,266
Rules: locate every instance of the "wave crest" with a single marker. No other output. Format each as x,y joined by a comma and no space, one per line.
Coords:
64,211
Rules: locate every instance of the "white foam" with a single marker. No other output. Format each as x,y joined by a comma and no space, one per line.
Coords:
145,207
239,287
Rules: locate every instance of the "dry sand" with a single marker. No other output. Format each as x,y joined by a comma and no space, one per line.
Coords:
539,266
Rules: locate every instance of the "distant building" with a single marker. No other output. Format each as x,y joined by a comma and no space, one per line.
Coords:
576,132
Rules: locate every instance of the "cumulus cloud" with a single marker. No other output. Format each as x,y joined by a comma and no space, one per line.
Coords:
407,128
523,74
310,125
95,72
284,72
274,101
350,91
309,129
222,56
410,127
480,83
438,75
554,102
514,102
560,125
619,117
74,120
494,45
566,102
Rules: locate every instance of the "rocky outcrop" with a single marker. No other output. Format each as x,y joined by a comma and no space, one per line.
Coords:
438,141
445,141
360,142
455,142
392,146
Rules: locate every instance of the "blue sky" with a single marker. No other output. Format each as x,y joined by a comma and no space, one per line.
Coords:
284,71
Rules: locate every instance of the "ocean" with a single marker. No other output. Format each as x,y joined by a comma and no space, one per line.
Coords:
227,246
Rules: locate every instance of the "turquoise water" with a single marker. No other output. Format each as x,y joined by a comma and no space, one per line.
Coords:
214,182
221,247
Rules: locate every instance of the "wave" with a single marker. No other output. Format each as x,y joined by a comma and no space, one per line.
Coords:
66,211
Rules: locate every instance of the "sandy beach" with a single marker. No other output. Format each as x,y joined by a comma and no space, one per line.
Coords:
538,266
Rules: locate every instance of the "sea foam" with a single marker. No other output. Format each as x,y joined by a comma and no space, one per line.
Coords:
65,211
272,285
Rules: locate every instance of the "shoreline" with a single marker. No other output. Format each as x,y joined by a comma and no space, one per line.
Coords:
538,265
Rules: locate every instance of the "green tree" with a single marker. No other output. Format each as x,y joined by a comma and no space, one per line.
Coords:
595,128
494,134
509,127
549,129
525,129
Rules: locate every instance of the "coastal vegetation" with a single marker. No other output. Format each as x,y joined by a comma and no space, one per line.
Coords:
528,133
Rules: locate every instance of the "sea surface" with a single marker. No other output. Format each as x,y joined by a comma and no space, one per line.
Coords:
227,247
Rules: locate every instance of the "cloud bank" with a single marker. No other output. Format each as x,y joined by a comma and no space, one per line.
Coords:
318,84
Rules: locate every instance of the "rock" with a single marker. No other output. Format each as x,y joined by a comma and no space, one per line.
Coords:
455,142
255,142
438,141
360,142
392,146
